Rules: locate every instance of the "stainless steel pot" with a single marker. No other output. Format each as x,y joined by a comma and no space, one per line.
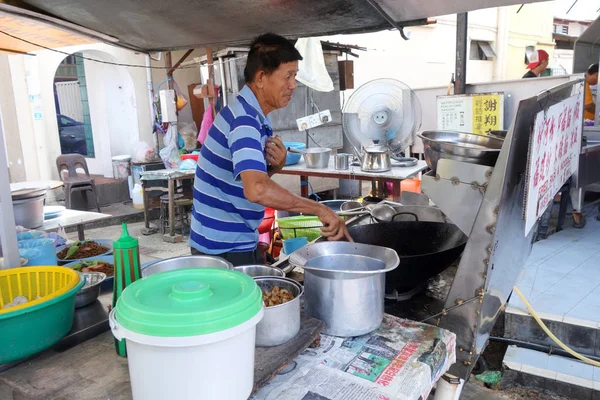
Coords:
175,263
259,270
280,323
342,161
29,212
345,284
316,157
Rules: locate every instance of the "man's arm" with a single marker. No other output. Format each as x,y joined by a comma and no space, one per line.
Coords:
260,189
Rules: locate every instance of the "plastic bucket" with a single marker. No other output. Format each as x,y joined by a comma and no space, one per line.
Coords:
218,365
38,251
121,167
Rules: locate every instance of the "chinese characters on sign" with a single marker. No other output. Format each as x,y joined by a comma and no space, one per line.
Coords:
553,154
476,113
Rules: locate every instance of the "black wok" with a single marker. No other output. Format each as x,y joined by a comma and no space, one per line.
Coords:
425,249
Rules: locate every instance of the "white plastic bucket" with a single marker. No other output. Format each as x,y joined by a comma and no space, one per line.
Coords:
215,366
121,167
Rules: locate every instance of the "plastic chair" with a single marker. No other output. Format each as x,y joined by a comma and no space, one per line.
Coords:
74,182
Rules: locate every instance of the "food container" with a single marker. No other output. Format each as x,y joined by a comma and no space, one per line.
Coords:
460,146
106,284
38,251
281,323
342,161
344,284
190,334
103,242
259,270
90,290
175,263
45,319
29,212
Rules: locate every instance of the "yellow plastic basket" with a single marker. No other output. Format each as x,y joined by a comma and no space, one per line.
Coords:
38,284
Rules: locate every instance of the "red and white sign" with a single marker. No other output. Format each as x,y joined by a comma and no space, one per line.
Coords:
554,155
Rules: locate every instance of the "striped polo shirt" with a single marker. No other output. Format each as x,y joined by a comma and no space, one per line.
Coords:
223,220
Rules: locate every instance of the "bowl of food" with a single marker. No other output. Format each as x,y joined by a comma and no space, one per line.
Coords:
103,264
83,250
259,270
90,290
281,320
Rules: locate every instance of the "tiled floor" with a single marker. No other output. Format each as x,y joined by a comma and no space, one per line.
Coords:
562,275
552,367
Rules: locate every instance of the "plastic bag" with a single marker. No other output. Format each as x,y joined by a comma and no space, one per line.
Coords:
170,153
38,251
207,121
188,133
180,99
188,164
144,152
312,71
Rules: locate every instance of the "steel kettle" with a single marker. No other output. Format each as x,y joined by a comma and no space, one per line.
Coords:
375,158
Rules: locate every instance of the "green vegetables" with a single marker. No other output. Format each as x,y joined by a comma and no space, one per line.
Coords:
88,264
74,248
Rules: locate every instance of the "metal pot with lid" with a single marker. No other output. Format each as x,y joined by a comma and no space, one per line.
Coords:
375,158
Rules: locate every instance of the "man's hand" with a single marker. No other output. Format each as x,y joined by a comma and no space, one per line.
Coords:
334,228
275,153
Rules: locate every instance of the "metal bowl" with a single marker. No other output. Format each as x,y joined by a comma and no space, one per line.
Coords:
460,146
90,290
256,271
317,157
280,323
185,262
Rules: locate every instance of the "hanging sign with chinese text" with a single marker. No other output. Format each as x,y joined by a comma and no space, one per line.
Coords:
553,155
475,113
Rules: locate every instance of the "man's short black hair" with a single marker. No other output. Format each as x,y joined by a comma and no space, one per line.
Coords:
593,69
267,53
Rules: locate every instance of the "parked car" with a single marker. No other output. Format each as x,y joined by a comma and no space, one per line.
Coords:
72,135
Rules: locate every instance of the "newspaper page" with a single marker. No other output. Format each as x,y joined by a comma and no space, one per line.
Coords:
401,360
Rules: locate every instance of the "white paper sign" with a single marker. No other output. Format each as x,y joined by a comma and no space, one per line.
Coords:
554,155
475,113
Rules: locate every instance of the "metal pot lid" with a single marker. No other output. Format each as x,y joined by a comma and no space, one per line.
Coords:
28,193
188,302
317,251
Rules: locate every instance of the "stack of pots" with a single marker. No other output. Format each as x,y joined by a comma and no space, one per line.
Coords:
28,206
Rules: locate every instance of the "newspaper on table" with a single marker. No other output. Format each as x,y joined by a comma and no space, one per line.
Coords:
401,360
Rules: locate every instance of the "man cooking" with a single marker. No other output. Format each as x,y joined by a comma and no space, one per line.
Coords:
232,185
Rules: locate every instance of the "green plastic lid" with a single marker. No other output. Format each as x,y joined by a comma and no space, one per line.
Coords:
188,302
125,241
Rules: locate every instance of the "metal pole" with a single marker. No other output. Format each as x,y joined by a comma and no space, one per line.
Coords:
150,88
461,53
8,236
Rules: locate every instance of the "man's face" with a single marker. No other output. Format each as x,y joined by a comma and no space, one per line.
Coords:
544,64
592,79
279,86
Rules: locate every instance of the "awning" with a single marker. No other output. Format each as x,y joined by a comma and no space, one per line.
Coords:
34,32
153,25
587,48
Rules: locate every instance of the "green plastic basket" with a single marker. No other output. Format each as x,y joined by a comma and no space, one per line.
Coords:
300,226
27,331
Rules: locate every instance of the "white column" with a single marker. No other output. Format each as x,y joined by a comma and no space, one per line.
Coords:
8,236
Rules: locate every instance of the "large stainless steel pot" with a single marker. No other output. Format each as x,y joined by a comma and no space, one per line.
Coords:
280,323
375,158
172,264
460,146
29,212
344,284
